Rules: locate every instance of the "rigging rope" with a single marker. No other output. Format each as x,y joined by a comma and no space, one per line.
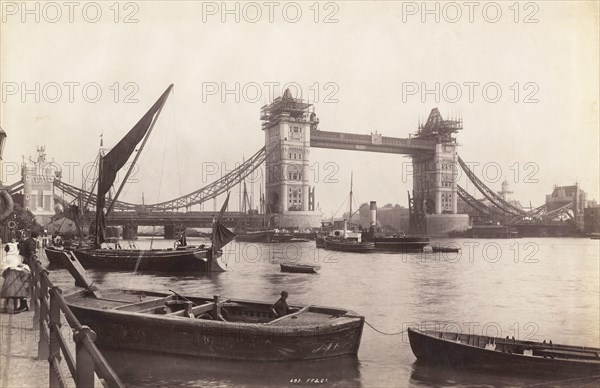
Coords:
343,203
162,169
173,120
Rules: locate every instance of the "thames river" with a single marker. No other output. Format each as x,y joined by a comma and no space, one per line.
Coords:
536,289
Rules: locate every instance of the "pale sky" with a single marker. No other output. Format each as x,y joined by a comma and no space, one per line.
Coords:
364,61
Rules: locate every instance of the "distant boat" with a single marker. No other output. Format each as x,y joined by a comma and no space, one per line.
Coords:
265,236
299,268
488,231
472,350
345,240
438,248
395,242
346,245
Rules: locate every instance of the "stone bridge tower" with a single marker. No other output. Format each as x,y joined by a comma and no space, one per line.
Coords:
289,197
38,187
435,176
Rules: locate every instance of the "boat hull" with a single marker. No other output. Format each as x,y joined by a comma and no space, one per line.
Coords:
353,247
267,236
160,260
398,244
509,355
54,255
299,268
217,339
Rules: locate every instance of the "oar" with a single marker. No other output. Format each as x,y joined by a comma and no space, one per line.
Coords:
182,297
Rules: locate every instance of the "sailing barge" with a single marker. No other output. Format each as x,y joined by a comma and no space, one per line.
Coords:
465,350
196,258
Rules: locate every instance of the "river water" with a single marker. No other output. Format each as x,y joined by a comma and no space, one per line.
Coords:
527,288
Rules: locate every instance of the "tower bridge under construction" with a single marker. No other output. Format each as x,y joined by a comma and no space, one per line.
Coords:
291,130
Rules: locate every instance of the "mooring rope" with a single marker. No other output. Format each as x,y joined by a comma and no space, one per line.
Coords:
384,333
373,327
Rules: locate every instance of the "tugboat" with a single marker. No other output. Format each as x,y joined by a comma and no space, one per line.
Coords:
344,240
397,243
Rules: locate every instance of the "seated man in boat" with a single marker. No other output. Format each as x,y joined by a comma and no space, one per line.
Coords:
182,239
281,308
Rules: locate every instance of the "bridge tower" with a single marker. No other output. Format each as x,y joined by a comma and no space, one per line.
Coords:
38,187
289,197
435,175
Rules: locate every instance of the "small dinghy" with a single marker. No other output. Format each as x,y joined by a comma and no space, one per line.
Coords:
439,248
299,268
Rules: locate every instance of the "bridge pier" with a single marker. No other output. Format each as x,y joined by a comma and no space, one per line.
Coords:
173,231
130,232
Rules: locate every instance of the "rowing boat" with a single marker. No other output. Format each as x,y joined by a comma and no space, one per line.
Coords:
233,329
470,350
299,268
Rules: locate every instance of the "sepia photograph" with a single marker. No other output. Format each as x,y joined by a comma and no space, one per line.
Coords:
299,193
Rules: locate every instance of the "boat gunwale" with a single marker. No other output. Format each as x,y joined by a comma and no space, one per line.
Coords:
308,330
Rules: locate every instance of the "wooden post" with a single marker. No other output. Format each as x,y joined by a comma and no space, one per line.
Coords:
85,362
43,343
55,326
35,297
188,309
217,308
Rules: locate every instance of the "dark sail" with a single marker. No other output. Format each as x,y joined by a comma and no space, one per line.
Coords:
118,156
221,235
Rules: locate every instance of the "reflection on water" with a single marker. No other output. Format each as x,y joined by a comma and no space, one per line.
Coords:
142,369
424,375
530,289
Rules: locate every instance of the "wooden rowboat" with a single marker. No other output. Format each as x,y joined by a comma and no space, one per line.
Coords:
438,248
299,268
464,350
206,327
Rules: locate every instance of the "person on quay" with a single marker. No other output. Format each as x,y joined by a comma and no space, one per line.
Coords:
28,248
16,280
45,239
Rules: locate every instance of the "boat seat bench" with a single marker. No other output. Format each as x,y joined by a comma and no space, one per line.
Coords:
196,310
139,306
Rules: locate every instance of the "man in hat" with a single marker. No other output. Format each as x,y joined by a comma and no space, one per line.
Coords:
28,249
281,308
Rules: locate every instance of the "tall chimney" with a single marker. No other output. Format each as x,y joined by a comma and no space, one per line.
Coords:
373,214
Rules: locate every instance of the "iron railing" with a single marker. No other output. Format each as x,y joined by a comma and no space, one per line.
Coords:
49,307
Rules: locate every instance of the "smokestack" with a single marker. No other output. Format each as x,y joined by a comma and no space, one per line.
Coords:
373,214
